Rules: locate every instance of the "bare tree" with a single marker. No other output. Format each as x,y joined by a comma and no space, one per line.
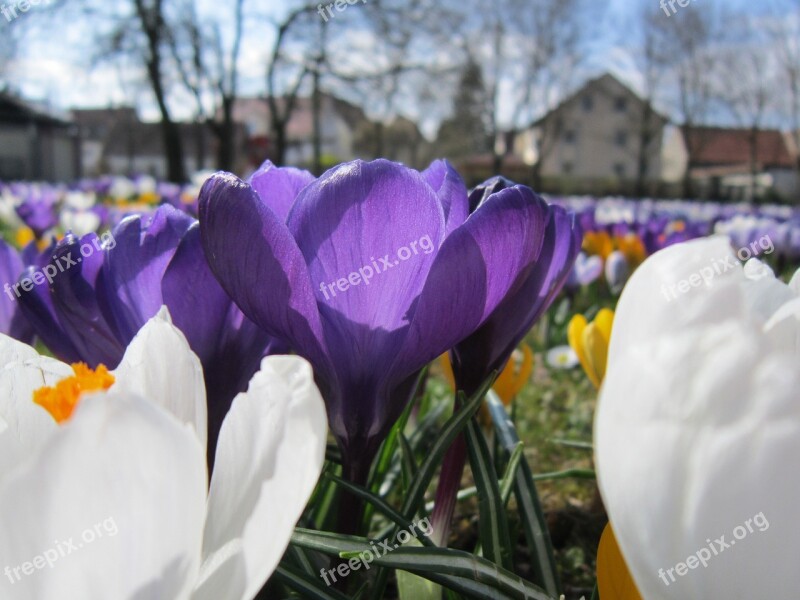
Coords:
784,28
210,71
689,38
745,85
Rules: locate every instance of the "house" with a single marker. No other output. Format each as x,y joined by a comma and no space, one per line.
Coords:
593,135
35,144
94,127
731,163
338,122
115,141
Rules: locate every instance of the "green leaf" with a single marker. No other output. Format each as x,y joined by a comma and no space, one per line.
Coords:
305,585
507,483
381,505
573,444
414,587
566,474
492,523
460,571
451,429
538,537
409,465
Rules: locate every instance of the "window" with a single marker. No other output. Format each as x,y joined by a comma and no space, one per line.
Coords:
621,104
566,168
621,138
588,103
619,170
569,137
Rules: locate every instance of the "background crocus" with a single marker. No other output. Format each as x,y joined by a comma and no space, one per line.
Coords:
340,282
488,348
94,307
129,467
12,321
697,428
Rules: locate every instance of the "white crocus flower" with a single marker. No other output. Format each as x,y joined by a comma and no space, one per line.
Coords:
697,432
115,502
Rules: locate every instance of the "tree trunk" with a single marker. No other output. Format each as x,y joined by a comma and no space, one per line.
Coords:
225,151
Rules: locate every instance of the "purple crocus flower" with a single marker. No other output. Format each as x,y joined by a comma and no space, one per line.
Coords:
376,271
109,287
489,348
38,211
586,270
12,322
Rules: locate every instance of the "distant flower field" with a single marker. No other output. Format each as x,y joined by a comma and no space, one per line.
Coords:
263,381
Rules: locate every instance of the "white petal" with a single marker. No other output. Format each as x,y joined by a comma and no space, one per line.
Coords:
694,282
694,434
28,423
115,500
159,365
14,350
269,456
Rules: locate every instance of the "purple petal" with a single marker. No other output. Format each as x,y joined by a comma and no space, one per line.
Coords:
368,232
37,306
278,186
76,264
255,258
489,348
482,261
229,345
12,320
130,283
451,191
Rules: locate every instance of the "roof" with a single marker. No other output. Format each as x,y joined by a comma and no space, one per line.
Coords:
718,146
593,83
301,123
16,110
146,139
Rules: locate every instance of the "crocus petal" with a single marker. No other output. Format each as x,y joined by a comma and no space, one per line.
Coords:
130,281
575,334
278,186
159,365
13,350
613,578
37,306
654,304
356,217
29,423
237,229
75,302
690,430
12,322
490,346
451,191
474,272
269,457
126,484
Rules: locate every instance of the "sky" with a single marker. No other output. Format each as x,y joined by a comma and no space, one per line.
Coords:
55,69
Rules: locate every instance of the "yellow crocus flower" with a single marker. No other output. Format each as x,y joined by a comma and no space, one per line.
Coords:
510,381
613,577
590,343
